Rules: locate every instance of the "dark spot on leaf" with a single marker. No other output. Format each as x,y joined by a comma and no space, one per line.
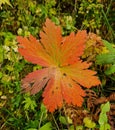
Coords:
70,85
31,84
44,78
52,92
64,74
56,87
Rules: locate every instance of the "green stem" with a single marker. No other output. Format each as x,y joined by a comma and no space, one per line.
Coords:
109,7
55,122
40,120
107,22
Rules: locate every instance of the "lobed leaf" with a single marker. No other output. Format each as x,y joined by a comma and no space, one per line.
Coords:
107,58
64,73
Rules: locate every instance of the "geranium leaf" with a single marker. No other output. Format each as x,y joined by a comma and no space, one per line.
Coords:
63,73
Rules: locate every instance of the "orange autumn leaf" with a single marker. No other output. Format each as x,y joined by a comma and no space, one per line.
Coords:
63,72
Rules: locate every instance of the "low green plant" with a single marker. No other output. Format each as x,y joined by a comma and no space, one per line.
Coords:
29,104
89,123
103,119
68,122
92,14
107,58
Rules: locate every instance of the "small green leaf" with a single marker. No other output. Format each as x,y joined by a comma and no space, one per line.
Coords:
105,107
105,127
63,120
109,46
79,127
107,58
69,120
9,67
47,126
102,118
29,104
110,70
89,123
71,127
